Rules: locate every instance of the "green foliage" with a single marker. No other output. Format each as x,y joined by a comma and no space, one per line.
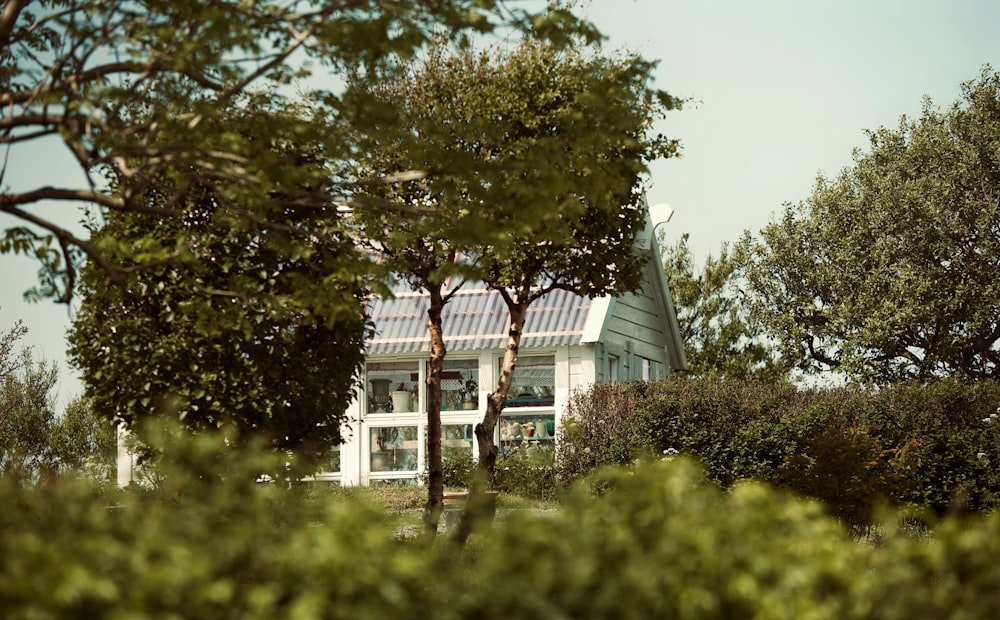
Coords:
722,338
928,446
27,416
9,360
256,326
35,440
659,540
662,543
888,272
506,143
84,442
138,92
457,467
527,473
201,545
950,575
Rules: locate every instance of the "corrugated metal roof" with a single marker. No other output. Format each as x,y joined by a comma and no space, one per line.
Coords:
474,319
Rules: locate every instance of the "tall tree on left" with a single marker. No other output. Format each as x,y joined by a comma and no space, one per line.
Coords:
135,92
256,327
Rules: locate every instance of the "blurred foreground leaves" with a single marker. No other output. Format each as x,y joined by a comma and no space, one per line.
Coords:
653,541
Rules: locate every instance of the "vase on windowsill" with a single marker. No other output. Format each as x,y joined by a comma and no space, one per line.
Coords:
401,401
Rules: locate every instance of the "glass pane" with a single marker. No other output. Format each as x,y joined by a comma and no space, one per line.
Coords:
527,429
333,464
393,448
456,439
460,385
534,382
392,387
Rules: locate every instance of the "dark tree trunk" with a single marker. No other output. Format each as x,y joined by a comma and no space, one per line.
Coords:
435,473
485,430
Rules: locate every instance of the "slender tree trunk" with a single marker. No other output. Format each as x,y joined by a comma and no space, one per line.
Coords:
435,472
485,430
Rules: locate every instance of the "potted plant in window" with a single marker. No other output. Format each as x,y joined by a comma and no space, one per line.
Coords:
469,391
401,399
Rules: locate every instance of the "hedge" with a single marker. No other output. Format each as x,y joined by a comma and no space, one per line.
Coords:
658,540
932,446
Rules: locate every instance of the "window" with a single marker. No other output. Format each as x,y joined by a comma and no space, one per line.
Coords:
526,432
456,439
612,368
534,382
393,448
392,387
460,385
334,460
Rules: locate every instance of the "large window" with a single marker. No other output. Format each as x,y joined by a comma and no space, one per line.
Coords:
536,431
460,385
534,382
393,448
533,386
391,387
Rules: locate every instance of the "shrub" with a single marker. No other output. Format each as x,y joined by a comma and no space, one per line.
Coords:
600,428
458,468
527,472
660,540
934,445
662,543
844,467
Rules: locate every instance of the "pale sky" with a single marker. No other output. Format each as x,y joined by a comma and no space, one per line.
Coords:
784,90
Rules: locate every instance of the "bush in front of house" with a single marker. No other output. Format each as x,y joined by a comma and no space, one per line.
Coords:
656,540
205,540
527,471
934,446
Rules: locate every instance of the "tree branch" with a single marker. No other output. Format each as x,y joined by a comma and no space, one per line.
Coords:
818,354
8,17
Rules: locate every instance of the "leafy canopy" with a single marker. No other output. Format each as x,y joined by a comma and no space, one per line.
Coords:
722,339
138,92
507,148
35,439
257,327
888,271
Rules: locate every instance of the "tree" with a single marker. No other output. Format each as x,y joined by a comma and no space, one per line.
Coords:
34,439
136,92
545,147
9,361
722,339
84,442
887,273
27,411
209,336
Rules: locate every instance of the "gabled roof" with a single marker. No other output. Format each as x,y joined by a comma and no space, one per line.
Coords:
475,318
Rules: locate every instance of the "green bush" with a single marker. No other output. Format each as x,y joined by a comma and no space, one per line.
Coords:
934,446
458,468
662,543
527,472
207,542
658,540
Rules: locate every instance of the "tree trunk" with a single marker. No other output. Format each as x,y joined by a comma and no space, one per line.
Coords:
485,430
435,472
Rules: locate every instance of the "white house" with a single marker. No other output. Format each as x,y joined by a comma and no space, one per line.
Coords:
569,343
